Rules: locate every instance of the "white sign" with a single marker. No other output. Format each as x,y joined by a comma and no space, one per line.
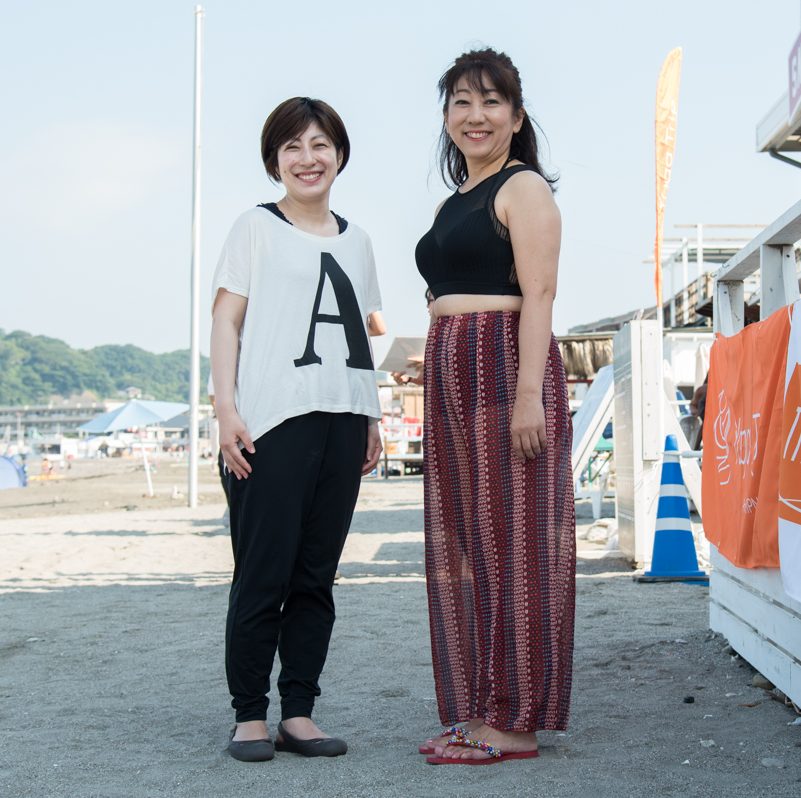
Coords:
794,68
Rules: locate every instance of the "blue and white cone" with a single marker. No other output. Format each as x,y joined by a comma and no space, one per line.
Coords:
674,557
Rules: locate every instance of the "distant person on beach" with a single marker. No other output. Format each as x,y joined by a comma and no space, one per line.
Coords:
698,409
499,512
403,377
698,401
298,415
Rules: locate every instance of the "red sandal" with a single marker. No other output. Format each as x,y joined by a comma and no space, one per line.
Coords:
495,754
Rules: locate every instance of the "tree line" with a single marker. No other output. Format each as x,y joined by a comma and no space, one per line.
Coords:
35,369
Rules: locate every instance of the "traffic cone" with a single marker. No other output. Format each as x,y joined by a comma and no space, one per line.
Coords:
674,558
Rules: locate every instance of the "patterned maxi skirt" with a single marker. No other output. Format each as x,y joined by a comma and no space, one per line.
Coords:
499,533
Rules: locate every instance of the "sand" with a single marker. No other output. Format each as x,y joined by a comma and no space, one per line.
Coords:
91,486
112,681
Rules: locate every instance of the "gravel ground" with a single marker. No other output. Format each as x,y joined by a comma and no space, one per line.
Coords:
112,683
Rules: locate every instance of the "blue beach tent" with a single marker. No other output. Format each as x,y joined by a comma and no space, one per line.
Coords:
11,474
135,413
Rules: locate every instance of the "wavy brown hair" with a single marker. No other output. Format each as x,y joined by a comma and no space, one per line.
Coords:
485,70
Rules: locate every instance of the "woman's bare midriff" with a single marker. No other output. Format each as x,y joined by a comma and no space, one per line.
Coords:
454,304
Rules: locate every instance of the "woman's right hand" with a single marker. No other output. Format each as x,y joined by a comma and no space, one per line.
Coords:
232,431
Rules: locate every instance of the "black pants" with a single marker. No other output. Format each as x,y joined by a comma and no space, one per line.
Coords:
289,521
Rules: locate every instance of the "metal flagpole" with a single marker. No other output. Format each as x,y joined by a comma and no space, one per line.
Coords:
194,372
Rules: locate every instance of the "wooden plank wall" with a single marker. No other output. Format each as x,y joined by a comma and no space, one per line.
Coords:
749,607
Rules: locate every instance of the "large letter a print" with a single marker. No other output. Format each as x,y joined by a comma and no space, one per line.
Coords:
349,317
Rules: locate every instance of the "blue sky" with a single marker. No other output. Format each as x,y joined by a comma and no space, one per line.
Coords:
95,148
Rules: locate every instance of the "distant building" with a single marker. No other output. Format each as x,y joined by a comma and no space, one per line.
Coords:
23,423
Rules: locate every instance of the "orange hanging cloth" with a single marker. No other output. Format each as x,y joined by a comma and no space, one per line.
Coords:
743,442
790,468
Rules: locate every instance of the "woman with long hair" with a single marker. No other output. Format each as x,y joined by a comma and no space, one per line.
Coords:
499,512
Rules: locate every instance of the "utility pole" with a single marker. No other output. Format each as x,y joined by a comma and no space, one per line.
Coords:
194,370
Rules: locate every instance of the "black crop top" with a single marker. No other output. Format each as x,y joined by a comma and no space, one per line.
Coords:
467,250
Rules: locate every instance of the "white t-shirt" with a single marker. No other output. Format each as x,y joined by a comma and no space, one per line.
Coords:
304,344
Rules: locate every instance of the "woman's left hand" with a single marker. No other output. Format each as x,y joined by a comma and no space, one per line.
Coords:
374,448
528,427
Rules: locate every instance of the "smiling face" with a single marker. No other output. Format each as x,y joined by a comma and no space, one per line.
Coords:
308,164
481,122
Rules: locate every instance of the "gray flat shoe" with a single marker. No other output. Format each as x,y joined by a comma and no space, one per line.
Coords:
319,746
251,750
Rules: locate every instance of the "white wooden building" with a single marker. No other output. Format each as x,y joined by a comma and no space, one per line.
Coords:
749,605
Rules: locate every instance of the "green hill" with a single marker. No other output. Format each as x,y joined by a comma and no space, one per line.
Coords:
35,368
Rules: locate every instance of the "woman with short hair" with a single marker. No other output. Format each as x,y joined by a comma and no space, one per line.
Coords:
298,412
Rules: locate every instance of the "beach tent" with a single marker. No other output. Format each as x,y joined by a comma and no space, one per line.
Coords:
136,413
11,475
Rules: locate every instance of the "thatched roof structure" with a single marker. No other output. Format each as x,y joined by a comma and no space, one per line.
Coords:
585,354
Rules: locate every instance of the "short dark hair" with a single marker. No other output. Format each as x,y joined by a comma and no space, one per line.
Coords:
485,69
290,119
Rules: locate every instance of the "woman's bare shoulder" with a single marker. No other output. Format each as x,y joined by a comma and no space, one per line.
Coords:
527,185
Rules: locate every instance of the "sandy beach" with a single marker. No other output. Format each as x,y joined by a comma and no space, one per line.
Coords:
112,682
106,485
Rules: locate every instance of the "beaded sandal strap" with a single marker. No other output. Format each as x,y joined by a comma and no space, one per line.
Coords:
465,740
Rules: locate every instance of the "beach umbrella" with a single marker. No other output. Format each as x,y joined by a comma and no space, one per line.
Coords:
135,413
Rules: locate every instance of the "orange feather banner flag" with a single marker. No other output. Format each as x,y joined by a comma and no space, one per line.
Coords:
667,109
